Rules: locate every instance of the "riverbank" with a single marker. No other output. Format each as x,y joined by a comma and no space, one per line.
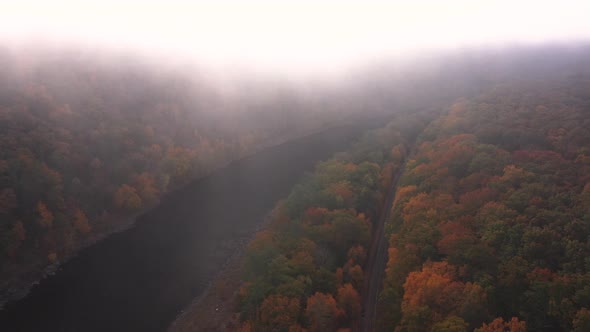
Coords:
215,309
142,277
19,287
30,275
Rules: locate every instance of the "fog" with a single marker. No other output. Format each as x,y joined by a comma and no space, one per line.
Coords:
109,108
290,37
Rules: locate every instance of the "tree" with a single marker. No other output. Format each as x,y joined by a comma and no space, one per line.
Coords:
45,215
81,222
342,193
355,274
473,200
581,322
146,187
315,215
321,312
349,302
357,254
451,324
499,325
436,288
126,198
278,313
345,231
455,237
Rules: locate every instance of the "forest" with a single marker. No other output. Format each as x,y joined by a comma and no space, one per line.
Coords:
294,166
89,142
489,230
491,219
306,269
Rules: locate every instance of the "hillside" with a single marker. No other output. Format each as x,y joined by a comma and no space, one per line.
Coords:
89,142
489,229
492,218
489,226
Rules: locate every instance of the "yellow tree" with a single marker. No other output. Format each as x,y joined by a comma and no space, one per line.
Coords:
45,215
126,198
80,222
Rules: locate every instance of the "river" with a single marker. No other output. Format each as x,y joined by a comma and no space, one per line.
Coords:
139,279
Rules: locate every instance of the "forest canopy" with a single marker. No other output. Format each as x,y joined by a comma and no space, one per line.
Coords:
491,221
489,226
489,229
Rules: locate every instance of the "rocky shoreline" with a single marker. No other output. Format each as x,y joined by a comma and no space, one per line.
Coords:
19,289
214,309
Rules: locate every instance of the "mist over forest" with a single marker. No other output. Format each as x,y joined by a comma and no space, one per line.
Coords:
450,192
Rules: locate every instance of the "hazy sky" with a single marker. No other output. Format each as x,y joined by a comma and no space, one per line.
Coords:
295,35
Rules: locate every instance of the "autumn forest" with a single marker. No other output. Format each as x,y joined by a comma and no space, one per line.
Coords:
489,228
465,208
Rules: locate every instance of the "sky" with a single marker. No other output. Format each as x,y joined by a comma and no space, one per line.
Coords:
294,36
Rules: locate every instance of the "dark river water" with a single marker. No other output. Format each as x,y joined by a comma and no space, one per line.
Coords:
139,279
